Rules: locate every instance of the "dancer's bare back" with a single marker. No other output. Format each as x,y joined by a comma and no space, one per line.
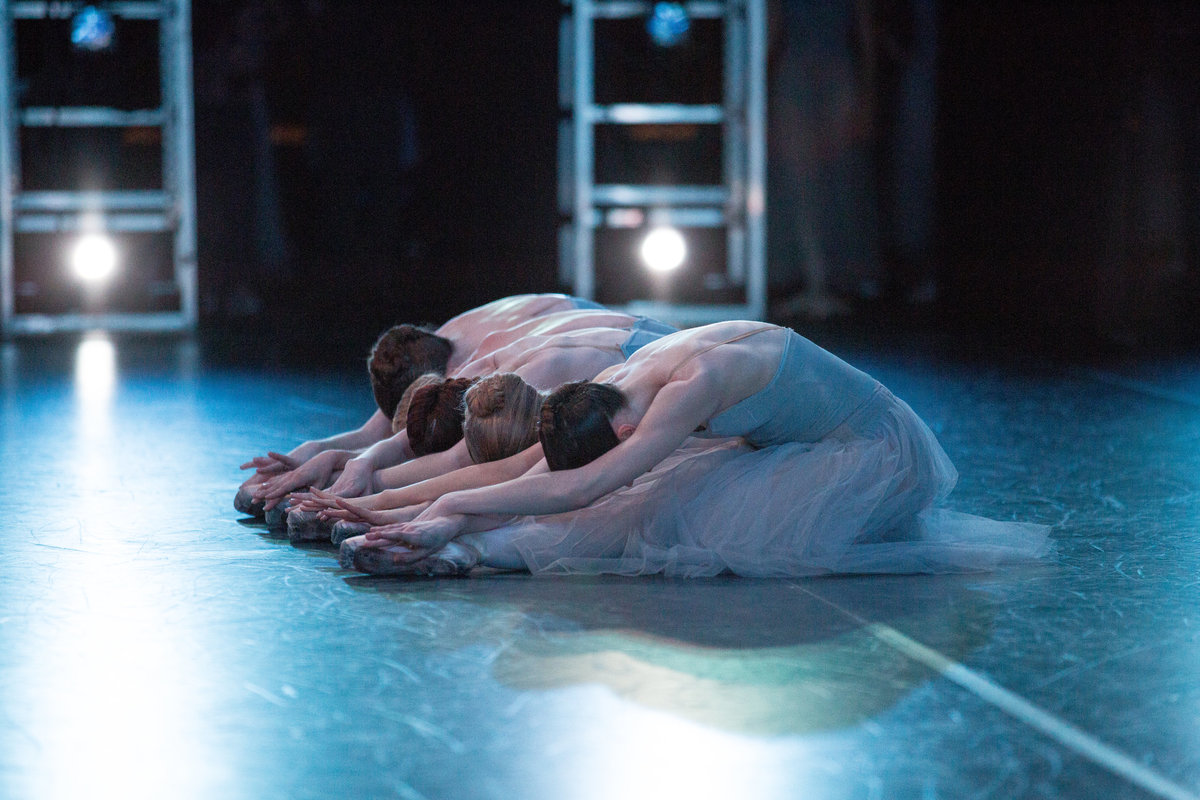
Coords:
469,329
576,343
549,324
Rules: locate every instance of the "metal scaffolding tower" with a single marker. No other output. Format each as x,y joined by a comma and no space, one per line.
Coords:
167,210
736,204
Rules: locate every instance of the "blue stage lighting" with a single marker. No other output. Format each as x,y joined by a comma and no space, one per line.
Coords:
93,29
668,24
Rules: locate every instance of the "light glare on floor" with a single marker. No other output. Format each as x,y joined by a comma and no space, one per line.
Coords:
94,258
663,249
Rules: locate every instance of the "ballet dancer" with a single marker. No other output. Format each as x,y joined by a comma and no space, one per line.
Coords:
837,475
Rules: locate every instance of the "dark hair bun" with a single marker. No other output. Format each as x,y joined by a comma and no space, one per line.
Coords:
435,416
575,424
402,353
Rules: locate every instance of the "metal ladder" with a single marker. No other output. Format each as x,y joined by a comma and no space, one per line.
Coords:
170,209
737,204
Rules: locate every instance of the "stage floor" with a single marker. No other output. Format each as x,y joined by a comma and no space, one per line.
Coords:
153,644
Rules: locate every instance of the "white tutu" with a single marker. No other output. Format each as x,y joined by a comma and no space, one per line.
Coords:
859,501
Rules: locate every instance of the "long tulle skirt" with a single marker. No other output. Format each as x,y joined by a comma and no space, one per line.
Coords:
862,500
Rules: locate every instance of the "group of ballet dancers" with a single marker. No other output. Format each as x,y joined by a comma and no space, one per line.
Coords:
544,432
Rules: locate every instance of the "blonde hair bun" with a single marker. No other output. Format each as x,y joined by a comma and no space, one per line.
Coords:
486,397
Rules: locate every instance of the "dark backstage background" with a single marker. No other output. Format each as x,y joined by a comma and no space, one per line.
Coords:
1020,176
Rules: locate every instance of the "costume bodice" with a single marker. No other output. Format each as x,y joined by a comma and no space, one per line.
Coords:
811,393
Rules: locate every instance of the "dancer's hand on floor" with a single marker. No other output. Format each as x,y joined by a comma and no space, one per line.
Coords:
356,479
420,538
314,472
304,501
353,512
357,512
271,464
321,501
255,480
384,517
314,500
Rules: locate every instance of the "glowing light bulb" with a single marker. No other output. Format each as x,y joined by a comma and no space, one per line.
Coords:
94,258
663,249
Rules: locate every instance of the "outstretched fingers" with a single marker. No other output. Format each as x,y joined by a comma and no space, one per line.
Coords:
365,514
306,498
274,491
274,488
326,496
271,464
314,499
259,463
392,535
334,514
286,460
419,539
404,533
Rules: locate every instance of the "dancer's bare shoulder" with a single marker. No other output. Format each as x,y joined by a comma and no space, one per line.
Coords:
730,360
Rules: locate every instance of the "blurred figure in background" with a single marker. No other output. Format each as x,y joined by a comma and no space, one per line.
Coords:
244,250
852,92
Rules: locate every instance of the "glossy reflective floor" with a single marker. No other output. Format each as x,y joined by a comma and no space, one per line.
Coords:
153,645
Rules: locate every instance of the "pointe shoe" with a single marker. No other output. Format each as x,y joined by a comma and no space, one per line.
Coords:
276,517
244,502
306,526
344,529
455,558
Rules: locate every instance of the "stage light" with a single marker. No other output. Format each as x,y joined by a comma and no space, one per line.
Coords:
94,258
663,249
93,29
668,24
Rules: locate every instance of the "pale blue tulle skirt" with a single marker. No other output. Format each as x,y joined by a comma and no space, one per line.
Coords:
863,500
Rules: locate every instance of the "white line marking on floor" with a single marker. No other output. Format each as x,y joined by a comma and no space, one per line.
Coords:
1057,729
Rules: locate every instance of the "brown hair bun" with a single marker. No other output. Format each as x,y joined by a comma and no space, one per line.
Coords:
399,356
435,416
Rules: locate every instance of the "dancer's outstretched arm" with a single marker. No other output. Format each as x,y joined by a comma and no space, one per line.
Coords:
677,410
376,427
357,476
425,491
332,507
423,468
